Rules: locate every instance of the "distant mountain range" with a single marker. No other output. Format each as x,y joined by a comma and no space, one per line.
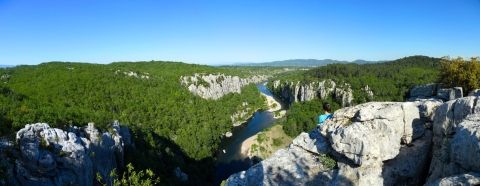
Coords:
6,66
303,63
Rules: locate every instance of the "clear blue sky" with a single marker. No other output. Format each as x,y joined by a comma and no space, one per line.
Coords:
213,32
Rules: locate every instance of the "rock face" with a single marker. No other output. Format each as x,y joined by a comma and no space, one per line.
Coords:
456,142
214,86
291,92
241,116
435,91
292,166
381,143
51,156
424,91
462,179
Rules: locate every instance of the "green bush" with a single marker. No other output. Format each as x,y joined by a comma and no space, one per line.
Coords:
460,73
277,142
131,177
328,161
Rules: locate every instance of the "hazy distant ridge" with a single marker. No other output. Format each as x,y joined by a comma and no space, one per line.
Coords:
303,63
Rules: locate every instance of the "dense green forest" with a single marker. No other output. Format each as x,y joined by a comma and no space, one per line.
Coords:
389,81
171,126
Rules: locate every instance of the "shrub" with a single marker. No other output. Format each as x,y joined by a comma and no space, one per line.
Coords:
277,142
327,161
132,177
460,72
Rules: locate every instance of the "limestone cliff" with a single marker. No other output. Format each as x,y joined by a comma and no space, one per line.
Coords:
381,143
214,86
291,92
50,156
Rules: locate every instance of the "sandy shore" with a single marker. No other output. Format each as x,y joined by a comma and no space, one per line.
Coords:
274,106
245,149
276,132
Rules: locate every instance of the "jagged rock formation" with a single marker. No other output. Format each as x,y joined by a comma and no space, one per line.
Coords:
214,86
456,141
51,156
291,92
381,143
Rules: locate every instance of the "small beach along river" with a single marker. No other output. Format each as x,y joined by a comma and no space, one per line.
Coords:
229,158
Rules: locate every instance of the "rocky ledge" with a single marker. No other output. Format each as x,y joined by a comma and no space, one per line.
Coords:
50,156
215,86
381,143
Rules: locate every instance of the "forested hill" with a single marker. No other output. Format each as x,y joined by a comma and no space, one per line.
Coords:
146,96
388,81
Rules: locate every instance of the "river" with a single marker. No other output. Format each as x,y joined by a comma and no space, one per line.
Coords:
231,160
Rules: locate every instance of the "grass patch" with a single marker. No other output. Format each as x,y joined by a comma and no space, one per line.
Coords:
327,161
277,142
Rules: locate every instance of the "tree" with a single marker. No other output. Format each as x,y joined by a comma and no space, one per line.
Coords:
459,72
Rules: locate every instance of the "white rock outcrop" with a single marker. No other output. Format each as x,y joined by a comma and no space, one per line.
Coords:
456,141
51,156
215,86
291,92
382,143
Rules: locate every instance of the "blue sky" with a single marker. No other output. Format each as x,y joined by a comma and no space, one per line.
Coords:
220,32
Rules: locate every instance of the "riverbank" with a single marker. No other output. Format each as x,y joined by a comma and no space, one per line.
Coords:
273,105
229,158
265,143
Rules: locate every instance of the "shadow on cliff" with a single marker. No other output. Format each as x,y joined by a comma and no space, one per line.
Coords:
224,170
162,156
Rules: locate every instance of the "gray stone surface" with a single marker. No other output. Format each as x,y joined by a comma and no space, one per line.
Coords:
366,142
372,131
468,179
448,94
456,140
292,166
313,142
51,156
427,108
424,91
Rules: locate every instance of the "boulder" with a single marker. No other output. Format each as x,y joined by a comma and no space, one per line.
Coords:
313,142
424,91
353,175
292,166
450,93
372,131
475,92
467,179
